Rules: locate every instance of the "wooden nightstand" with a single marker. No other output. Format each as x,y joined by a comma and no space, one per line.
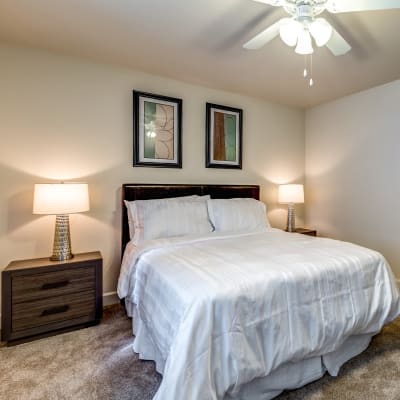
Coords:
42,298
305,231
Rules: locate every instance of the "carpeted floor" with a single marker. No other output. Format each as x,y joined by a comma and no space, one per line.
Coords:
98,363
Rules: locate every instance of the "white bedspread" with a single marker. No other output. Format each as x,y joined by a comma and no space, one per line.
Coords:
225,309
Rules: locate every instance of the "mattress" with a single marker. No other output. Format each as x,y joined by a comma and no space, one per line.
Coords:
219,311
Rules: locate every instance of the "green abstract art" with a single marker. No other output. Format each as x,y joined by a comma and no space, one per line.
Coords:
158,131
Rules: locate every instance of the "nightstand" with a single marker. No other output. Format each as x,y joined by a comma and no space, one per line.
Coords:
305,231
42,298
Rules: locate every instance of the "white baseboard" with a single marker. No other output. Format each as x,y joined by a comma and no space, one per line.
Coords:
110,298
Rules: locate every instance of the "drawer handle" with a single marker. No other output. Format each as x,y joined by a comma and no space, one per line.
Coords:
54,285
55,310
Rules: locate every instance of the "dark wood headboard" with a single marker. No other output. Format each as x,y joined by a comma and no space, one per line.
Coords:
140,191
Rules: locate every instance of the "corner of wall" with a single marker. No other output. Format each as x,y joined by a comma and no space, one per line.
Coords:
110,299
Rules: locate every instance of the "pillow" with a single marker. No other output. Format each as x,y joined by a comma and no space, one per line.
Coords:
153,219
132,213
241,214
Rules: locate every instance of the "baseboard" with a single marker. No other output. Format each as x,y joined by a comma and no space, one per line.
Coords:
110,298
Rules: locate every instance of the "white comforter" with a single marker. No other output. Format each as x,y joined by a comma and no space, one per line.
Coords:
225,309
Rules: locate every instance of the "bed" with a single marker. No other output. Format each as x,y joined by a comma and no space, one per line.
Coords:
247,314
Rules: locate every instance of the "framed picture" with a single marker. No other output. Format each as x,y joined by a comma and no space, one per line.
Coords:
223,136
157,131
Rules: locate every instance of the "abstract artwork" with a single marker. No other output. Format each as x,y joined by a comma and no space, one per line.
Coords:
157,130
223,136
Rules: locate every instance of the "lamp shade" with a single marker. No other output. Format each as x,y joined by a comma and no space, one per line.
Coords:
321,31
304,43
60,198
289,31
292,193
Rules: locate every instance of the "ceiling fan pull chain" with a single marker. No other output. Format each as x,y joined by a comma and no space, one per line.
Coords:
311,82
305,72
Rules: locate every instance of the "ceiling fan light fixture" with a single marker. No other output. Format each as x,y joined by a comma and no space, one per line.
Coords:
321,31
289,31
304,44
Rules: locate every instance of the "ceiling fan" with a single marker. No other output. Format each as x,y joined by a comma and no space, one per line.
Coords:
303,25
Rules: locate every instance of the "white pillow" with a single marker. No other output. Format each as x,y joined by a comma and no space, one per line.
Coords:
132,212
153,219
239,214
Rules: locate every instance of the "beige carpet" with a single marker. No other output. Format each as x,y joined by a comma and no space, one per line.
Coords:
98,363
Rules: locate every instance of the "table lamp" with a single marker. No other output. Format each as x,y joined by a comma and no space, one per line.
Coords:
61,199
290,195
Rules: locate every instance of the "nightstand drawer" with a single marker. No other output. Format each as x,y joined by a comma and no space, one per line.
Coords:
27,288
47,311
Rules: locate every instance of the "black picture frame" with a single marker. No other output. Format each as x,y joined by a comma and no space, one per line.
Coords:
217,158
147,124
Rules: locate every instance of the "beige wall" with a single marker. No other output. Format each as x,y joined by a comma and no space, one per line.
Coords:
64,118
353,170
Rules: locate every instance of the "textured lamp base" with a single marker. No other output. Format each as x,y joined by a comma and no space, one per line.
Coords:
291,218
62,239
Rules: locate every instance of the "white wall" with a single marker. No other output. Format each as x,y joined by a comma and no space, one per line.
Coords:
353,170
63,118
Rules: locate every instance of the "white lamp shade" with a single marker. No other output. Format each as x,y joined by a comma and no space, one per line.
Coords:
60,198
304,44
321,31
289,31
292,193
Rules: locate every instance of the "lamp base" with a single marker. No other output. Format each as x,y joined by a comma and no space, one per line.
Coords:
62,240
291,218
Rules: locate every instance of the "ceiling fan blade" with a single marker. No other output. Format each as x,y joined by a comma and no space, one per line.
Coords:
265,36
337,45
341,6
275,3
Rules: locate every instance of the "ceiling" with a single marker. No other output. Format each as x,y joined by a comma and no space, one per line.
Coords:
200,41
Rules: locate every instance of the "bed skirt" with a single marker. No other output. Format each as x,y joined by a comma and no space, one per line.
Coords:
291,375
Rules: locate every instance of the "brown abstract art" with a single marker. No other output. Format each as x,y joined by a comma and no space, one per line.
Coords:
223,137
